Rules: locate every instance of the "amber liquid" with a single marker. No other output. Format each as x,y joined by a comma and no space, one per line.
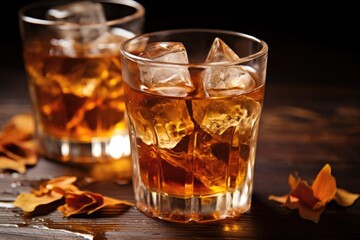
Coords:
193,152
76,97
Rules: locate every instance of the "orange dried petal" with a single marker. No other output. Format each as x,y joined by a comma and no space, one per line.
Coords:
311,201
61,182
293,181
19,152
308,213
30,156
345,198
79,202
15,141
87,202
292,202
99,199
75,204
21,123
28,201
19,128
324,186
9,164
305,194
65,189
12,136
305,211
280,199
110,202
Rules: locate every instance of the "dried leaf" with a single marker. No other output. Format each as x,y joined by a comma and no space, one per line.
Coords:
311,200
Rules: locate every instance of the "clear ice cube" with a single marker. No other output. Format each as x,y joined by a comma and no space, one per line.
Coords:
221,52
220,117
83,13
169,119
226,79
172,122
173,80
78,76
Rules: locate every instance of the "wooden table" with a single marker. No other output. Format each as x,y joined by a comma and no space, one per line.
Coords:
302,128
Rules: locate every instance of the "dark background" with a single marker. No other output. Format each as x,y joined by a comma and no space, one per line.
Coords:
309,42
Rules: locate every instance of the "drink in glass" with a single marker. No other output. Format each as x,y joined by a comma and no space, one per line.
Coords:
71,56
194,100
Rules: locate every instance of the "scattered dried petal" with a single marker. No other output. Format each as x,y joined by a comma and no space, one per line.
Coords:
311,200
79,202
48,192
305,194
87,202
19,152
310,214
18,128
29,201
293,181
324,186
76,201
111,202
21,122
7,163
280,199
59,184
16,143
345,198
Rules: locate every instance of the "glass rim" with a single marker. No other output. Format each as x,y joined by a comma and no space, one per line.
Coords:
139,13
263,51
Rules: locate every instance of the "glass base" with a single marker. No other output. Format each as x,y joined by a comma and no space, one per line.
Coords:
196,208
99,150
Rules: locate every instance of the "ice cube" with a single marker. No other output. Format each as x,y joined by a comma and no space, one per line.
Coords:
78,79
226,79
172,122
220,117
141,119
210,169
207,167
78,76
221,52
223,123
169,120
171,80
83,13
